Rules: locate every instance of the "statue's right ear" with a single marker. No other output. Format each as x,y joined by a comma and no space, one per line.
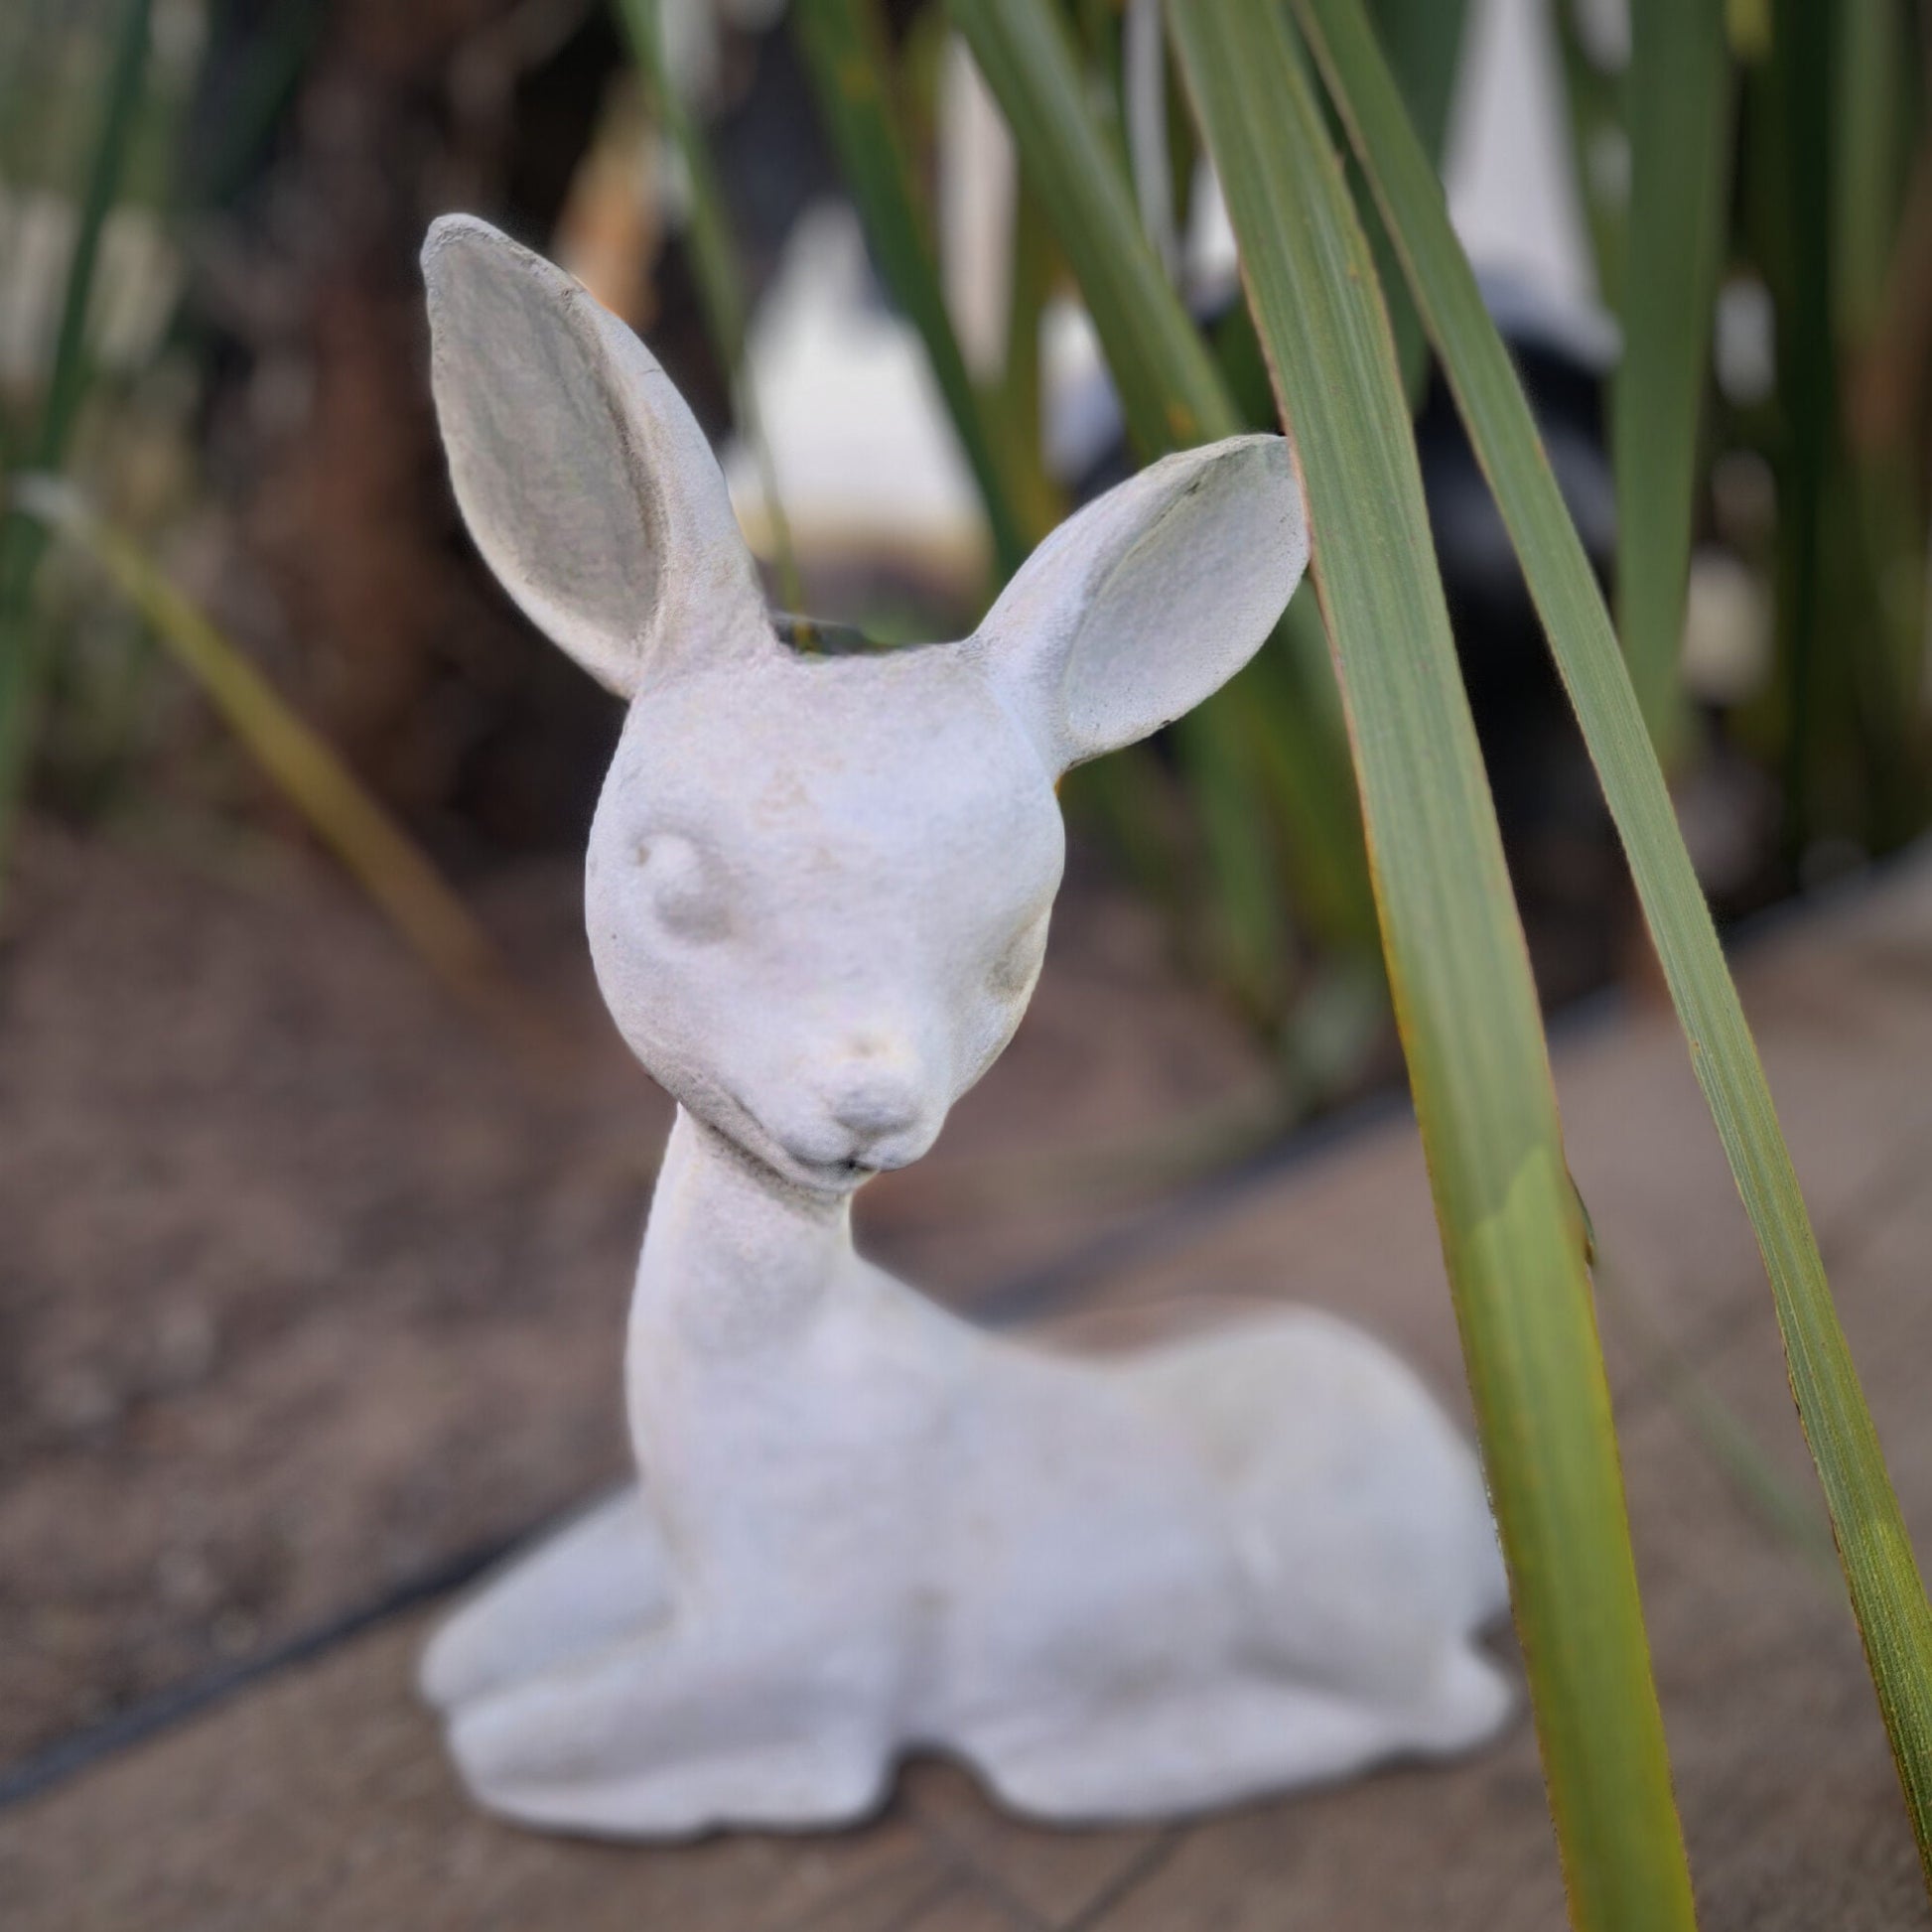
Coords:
1149,599
584,481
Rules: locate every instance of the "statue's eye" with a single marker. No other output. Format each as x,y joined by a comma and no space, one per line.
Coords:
1013,972
687,891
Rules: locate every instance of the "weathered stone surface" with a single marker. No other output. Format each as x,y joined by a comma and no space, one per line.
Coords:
818,890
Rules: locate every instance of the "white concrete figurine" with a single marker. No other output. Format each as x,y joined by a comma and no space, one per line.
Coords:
818,890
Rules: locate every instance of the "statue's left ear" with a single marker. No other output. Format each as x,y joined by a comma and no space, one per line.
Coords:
1149,599
587,486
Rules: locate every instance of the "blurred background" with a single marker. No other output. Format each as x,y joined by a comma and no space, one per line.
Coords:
320,1174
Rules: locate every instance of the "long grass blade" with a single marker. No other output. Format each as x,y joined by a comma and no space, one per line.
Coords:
1424,42
1883,320
403,882
120,106
1791,94
1875,116
1593,96
1173,394
1679,104
714,261
1512,1231
1851,765
1170,389
1888,1596
1034,263
21,540
844,44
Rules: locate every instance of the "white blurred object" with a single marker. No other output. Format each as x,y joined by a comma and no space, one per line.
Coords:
1531,316
688,32
1210,261
978,178
1726,629
1144,69
864,449
1507,170
859,441
692,33
1080,420
1745,348
1511,191
137,282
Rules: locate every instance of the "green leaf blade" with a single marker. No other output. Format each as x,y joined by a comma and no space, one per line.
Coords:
1888,1596
392,869
1170,389
21,541
1424,39
1173,394
1511,1231
1679,92
844,45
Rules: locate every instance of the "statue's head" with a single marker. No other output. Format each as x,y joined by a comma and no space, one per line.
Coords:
819,880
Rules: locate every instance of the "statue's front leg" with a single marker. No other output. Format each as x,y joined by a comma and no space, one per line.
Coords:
602,1580
716,1717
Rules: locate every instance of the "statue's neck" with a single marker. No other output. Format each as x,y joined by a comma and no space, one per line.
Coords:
737,1271
737,1258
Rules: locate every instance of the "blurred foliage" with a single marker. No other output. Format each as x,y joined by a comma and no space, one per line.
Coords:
1623,1858
1770,446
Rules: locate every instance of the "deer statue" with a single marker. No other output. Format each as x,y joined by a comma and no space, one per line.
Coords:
818,888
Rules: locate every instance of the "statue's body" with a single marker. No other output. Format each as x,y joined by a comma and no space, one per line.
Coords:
818,892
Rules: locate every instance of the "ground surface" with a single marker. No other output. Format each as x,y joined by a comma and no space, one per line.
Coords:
318,1798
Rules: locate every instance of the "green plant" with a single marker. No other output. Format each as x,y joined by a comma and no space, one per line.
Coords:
1888,1595
373,849
37,503
1512,1232
21,538
1172,393
1679,105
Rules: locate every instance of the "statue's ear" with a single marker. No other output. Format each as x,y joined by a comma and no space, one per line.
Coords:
1149,599
584,481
